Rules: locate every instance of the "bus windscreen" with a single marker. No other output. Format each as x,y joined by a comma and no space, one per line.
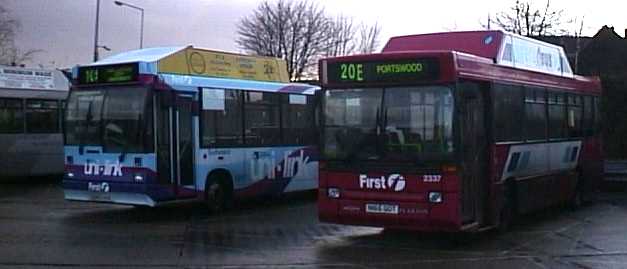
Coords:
397,123
117,119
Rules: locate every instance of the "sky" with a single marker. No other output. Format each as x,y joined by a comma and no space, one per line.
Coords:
64,29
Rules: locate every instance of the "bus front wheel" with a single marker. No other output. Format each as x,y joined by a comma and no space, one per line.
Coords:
217,196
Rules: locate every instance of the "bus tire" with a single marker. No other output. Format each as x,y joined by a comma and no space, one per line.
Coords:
577,199
508,211
217,195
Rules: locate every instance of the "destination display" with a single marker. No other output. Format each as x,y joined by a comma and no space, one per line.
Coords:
108,74
383,71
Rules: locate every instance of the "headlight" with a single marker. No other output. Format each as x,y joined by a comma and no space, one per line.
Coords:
70,174
333,193
139,178
435,197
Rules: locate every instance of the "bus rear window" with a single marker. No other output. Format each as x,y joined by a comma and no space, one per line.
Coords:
11,116
42,116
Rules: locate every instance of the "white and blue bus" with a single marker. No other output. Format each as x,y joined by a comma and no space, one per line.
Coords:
162,124
31,109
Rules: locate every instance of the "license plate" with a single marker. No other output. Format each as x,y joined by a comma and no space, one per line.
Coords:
382,208
100,196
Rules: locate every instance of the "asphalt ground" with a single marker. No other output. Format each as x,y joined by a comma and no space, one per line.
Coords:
38,229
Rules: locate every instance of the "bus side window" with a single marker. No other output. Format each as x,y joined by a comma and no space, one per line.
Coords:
557,115
597,116
261,119
588,116
42,116
535,114
508,112
62,105
574,115
11,116
222,119
297,114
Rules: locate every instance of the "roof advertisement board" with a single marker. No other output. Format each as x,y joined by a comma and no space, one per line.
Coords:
530,54
226,65
19,78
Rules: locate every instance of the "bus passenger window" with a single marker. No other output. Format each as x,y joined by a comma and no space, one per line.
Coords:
42,116
261,119
11,116
63,104
508,112
557,115
588,116
574,115
221,118
535,114
298,119
597,115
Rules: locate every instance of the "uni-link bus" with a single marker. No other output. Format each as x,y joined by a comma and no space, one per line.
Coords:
31,104
455,132
163,124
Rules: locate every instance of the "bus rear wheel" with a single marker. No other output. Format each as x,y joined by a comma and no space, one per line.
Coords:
216,196
577,200
508,211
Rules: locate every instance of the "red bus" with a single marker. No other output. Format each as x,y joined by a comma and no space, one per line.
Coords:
454,132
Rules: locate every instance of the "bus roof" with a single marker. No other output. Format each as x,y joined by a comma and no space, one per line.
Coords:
199,62
503,48
450,66
20,82
147,55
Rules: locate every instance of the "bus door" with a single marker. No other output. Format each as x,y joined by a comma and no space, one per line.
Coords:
184,146
174,142
474,153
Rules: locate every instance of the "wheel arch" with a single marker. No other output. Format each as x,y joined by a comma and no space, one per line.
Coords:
219,174
509,184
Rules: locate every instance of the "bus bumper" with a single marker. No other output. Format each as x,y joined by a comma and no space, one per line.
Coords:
108,192
426,217
115,197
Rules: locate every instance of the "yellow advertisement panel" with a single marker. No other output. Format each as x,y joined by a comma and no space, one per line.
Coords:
208,63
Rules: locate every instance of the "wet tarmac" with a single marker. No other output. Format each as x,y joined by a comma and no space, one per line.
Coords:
38,229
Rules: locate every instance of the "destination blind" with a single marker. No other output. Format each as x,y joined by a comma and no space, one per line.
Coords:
383,71
108,74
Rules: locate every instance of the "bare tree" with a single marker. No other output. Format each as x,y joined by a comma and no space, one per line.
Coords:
369,38
525,19
312,38
344,38
301,33
340,37
293,31
10,54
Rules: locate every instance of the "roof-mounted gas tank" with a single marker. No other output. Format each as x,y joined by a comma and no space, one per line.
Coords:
503,48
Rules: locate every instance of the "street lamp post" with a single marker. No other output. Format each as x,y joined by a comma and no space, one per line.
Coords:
141,10
96,32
